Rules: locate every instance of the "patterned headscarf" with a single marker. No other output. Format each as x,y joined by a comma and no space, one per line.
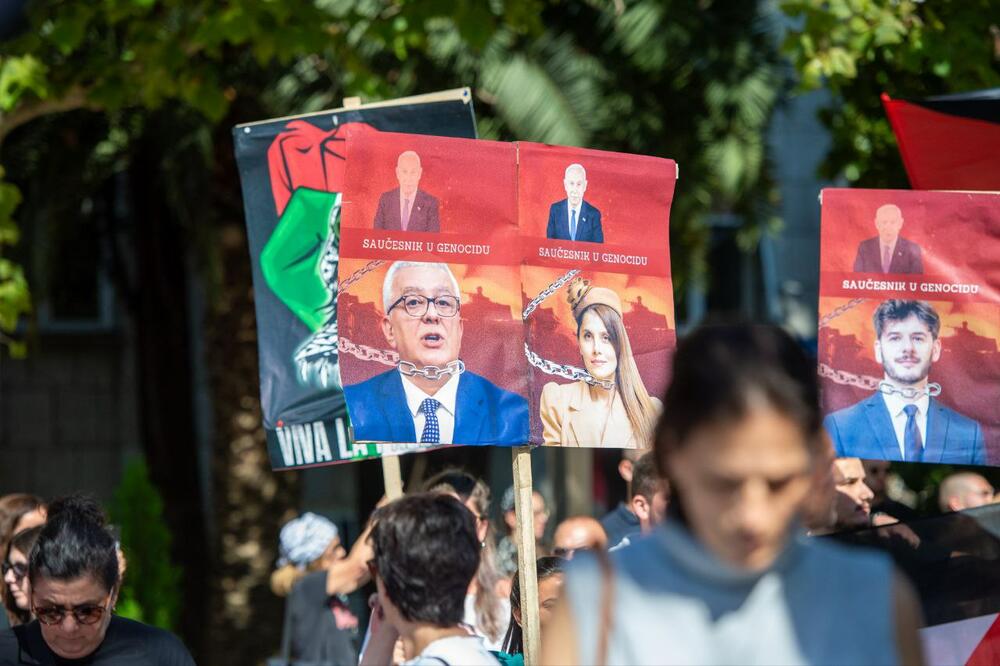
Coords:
305,539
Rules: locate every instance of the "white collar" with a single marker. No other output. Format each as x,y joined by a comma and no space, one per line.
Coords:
447,395
895,403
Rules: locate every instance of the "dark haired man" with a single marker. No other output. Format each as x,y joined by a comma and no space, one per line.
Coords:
650,495
903,420
426,554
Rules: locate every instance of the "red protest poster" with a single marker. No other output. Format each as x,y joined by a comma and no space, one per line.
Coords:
488,288
909,322
594,229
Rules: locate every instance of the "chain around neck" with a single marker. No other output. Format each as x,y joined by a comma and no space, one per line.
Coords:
932,390
432,372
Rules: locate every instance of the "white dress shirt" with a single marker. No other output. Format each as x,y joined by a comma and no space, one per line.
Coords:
447,395
896,404
569,218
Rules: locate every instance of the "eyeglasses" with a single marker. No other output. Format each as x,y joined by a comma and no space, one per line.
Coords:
417,305
83,614
20,569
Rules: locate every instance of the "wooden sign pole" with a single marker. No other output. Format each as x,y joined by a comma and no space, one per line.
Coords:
392,477
526,570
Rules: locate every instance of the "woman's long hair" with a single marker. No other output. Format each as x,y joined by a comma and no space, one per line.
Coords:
12,508
638,406
23,541
545,567
467,487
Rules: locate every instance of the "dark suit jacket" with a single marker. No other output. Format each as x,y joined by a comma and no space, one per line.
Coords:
484,412
864,430
423,213
588,227
906,257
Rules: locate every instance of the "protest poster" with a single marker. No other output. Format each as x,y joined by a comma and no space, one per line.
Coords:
292,175
909,318
466,262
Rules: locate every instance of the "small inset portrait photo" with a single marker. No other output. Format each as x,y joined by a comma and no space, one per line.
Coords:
889,251
407,207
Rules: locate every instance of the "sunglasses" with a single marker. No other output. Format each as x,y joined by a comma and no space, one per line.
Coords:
20,569
83,614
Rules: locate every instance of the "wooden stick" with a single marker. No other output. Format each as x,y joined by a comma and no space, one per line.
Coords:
526,571
392,477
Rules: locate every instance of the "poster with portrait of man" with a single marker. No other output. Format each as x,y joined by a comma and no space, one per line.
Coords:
523,313
909,325
292,172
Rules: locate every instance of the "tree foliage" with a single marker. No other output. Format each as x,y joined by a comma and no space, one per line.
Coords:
150,589
859,49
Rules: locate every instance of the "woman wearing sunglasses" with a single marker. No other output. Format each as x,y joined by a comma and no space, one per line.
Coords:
15,575
74,579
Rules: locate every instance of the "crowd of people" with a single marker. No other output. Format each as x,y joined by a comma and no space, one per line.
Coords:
721,532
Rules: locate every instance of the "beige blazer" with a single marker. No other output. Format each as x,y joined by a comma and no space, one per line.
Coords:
571,417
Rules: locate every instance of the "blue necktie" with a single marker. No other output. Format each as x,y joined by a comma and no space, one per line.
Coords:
913,449
572,225
432,429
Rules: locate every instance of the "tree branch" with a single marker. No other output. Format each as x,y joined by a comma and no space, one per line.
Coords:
75,98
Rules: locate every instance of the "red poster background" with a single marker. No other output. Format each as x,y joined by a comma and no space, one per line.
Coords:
633,193
474,182
958,233
648,318
493,335
959,237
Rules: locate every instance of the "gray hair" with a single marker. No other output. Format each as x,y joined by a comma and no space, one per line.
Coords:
575,166
397,266
407,153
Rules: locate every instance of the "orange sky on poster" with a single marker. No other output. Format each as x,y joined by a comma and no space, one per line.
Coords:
654,291
982,318
499,283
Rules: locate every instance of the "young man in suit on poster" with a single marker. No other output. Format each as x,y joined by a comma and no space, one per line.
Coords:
888,252
407,208
430,397
574,219
902,420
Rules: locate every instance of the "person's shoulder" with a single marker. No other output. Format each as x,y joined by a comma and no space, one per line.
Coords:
167,648
868,242
841,561
554,392
855,410
557,204
389,193
9,646
957,418
910,244
424,194
492,391
370,384
591,208
453,651
311,587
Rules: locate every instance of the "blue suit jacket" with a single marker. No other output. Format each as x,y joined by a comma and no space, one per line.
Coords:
864,430
484,412
588,227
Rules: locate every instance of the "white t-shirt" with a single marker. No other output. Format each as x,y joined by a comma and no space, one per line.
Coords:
454,651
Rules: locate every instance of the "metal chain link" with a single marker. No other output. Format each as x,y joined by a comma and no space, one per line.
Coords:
360,273
548,291
557,369
849,379
566,371
849,305
366,353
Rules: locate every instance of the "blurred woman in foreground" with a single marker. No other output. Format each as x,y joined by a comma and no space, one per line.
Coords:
730,578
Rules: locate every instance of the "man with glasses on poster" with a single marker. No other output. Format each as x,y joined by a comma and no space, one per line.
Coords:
430,397
903,420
